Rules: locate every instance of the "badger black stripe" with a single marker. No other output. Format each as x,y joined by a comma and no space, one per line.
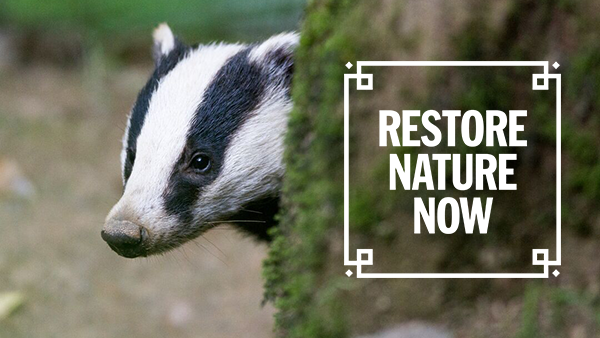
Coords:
140,109
233,94
282,62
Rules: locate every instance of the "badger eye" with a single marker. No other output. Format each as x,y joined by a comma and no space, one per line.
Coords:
200,163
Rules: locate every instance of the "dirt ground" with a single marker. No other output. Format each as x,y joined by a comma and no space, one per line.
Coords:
62,129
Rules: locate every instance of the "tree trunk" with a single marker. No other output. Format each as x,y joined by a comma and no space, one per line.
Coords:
305,275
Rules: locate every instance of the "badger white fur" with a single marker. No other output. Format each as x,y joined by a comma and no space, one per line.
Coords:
203,144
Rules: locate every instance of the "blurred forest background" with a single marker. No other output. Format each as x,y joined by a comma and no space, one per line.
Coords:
69,72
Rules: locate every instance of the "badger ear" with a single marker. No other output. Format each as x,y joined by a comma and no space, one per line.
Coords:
164,42
277,52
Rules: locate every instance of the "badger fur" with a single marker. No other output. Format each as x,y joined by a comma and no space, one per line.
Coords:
203,144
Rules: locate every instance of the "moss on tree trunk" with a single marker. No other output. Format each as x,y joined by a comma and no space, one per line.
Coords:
304,271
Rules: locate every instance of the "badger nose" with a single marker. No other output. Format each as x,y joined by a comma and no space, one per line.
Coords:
124,237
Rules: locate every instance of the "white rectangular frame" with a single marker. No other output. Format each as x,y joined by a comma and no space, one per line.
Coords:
359,77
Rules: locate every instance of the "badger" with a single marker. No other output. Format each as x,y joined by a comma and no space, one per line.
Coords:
203,144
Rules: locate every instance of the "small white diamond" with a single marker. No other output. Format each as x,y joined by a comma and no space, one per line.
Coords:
349,65
556,273
555,65
348,273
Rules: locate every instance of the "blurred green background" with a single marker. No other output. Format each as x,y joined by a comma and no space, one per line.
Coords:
121,28
114,20
69,72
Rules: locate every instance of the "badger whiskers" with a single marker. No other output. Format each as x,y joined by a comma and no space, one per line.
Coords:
203,144
199,245
213,244
236,221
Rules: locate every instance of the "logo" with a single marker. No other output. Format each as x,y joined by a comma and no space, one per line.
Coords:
483,171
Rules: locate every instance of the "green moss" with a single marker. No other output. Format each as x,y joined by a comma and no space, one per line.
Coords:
563,303
312,189
581,144
529,316
550,308
299,279
583,80
581,147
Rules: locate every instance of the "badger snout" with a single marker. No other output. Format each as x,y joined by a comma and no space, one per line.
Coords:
125,238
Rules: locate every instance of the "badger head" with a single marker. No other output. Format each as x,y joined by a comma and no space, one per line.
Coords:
203,144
